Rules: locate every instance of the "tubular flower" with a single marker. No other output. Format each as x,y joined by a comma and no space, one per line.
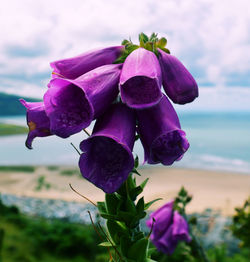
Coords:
140,81
178,83
161,135
72,68
37,121
168,228
107,159
71,105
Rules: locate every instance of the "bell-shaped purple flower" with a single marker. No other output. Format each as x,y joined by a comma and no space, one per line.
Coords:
178,83
160,133
168,228
107,157
37,121
72,68
140,81
71,105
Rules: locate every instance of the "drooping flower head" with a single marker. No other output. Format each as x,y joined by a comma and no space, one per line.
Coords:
107,157
160,133
169,227
37,121
71,105
140,81
74,67
178,83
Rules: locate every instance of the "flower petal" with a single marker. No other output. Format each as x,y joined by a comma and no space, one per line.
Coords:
37,120
178,83
140,81
161,135
107,159
72,68
72,104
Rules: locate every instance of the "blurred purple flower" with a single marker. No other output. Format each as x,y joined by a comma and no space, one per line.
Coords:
37,121
178,83
71,105
169,227
140,81
72,68
160,133
107,160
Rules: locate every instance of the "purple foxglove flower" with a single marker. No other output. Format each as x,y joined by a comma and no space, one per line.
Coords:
37,121
71,105
169,227
107,159
178,83
161,135
140,81
72,68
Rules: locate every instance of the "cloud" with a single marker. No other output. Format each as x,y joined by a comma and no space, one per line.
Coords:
210,37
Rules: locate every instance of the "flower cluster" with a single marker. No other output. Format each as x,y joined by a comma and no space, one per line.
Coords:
120,88
168,228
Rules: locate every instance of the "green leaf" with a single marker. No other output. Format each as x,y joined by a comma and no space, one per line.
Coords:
140,205
136,161
125,244
135,172
164,49
149,46
138,250
182,192
143,184
116,230
130,183
108,216
151,251
101,207
153,37
130,206
112,202
143,38
125,42
105,244
162,42
147,205
126,217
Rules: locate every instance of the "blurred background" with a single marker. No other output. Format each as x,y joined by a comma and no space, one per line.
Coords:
212,40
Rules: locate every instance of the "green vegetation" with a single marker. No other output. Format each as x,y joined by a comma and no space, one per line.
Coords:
27,169
9,129
42,184
10,105
70,172
52,168
31,239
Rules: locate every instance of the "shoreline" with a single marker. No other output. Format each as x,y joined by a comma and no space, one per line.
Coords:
221,191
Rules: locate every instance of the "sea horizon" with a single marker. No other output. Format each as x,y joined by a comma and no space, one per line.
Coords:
218,141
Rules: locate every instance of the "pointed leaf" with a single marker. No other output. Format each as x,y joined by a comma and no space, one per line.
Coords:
136,161
105,244
138,251
162,42
101,207
112,202
147,205
143,184
140,205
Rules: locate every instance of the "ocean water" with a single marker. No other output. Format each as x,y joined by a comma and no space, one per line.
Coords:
218,141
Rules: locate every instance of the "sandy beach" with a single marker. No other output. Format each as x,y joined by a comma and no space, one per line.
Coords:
210,189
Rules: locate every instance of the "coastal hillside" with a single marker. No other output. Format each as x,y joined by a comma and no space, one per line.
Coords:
10,105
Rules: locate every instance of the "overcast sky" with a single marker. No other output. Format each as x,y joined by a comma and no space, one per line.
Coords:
211,37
